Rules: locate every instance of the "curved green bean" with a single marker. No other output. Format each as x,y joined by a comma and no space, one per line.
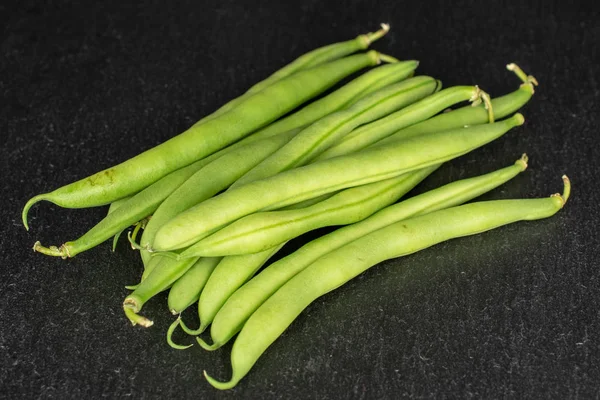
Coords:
317,137
204,139
231,273
323,177
249,297
336,268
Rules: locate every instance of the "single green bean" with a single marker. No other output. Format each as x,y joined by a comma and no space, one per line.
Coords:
186,290
248,298
323,177
204,139
339,266
311,59
231,273
316,138
113,206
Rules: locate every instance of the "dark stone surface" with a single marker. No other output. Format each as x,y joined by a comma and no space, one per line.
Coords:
511,313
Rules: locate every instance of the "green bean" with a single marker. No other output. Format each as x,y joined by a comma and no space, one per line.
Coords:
353,91
323,177
161,278
170,332
204,139
186,290
414,113
308,202
231,273
249,297
336,268
158,276
311,59
263,230
317,137
113,206
468,115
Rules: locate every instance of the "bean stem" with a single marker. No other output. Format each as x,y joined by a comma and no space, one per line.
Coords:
135,318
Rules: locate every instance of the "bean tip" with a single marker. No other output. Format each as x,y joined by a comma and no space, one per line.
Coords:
170,341
217,384
190,331
519,119
136,319
206,346
566,189
523,161
62,252
373,36
26,208
527,79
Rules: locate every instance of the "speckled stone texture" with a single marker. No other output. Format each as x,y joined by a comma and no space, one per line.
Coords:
512,313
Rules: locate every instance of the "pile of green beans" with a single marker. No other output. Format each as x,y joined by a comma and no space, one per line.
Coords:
214,205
